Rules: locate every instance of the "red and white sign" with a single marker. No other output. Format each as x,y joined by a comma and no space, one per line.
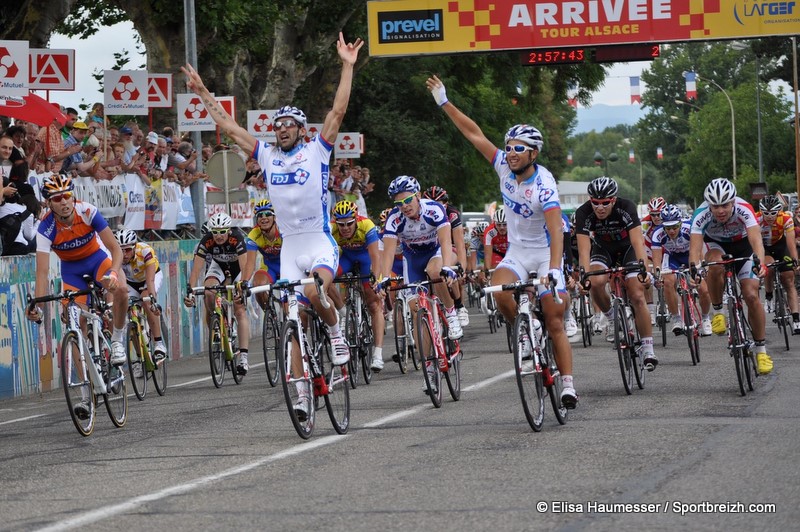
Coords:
159,90
13,69
193,115
52,70
125,92
312,130
228,103
259,124
347,146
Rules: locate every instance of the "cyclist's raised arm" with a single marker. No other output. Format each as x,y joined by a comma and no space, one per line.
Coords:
465,124
226,123
348,53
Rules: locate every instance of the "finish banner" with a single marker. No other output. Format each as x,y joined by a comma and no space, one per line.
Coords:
418,27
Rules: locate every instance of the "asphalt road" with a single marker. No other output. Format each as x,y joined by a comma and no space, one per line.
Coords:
685,453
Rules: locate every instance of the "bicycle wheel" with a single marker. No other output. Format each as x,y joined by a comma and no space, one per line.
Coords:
427,357
77,384
337,401
216,354
351,335
365,342
116,396
661,316
554,390
782,317
736,339
690,326
454,355
400,337
234,346
160,371
621,344
635,349
530,380
509,337
270,339
585,319
303,423
412,344
749,357
136,364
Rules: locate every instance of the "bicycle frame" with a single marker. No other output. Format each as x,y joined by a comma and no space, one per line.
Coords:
224,308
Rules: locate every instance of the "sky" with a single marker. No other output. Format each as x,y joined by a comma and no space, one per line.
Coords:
97,53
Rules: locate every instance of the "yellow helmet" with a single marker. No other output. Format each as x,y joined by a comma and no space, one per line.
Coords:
345,209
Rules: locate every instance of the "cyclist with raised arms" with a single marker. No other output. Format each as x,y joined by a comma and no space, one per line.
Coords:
727,225
226,249
670,245
422,227
144,277
439,194
264,239
357,238
296,175
74,230
777,231
533,213
617,240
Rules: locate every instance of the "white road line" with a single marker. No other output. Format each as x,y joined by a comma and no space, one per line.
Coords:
22,419
94,516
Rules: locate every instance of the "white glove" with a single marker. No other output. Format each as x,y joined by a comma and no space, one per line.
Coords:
439,94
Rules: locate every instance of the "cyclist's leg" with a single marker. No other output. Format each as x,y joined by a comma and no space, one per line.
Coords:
510,269
262,277
214,276
119,311
152,319
636,296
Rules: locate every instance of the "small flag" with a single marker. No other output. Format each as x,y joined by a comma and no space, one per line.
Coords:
636,95
691,86
631,158
659,153
569,157
572,95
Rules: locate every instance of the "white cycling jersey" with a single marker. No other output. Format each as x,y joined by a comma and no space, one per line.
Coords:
679,246
732,230
526,203
297,183
420,235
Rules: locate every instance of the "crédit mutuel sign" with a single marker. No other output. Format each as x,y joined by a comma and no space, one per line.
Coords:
416,27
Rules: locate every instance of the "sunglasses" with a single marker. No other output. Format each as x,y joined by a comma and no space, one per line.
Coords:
288,124
602,203
219,231
58,198
655,214
517,148
345,224
265,214
127,249
770,213
400,203
673,226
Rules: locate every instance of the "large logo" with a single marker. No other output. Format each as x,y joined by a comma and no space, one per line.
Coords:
195,110
411,26
763,10
8,68
125,90
263,124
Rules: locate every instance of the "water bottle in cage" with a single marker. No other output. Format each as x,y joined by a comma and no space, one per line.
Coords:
537,331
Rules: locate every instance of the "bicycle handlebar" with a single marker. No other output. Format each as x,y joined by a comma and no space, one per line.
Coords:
619,270
286,284
548,281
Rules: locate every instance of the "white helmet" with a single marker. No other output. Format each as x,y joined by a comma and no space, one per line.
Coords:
500,215
720,191
288,111
527,134
126,237
219,220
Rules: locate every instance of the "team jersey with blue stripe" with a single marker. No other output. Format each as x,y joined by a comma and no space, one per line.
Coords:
420,235
526,203
677,249
297,182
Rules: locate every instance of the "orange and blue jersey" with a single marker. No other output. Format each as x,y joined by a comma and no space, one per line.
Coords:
75,242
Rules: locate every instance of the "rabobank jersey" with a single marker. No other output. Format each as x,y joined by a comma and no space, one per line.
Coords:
420,235
732,230
297,182
526,203
75,242
678,248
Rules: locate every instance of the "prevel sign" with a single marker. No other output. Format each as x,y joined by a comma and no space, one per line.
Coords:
415,27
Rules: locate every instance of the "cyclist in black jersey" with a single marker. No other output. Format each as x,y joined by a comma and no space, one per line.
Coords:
618,241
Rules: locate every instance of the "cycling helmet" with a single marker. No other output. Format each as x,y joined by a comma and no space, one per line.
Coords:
384,214
603,187
345,209
436,194
527,134
671,215
403,183
264,205
500,216
656,204
126,237
771,204
219,221
720,191
480,228
56,184
288,111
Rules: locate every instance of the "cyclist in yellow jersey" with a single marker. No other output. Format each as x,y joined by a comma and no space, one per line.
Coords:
357,238
143,272
265,239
